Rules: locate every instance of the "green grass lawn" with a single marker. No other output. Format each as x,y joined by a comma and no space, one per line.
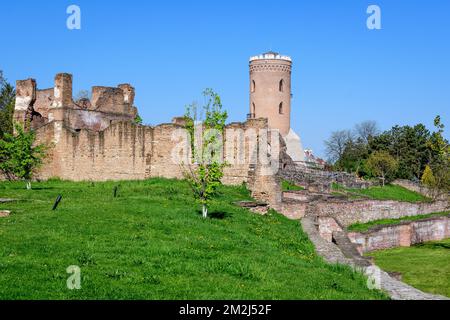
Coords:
289,186
388,192
362,227
425,267
152,243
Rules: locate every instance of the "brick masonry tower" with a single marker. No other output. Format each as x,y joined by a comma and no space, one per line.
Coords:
270,97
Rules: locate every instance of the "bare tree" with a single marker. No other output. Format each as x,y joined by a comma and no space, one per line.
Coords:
366,129
336,144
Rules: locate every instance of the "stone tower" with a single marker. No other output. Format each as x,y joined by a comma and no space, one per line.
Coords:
270,90
270,97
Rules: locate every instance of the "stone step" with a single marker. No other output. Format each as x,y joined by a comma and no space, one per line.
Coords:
349,249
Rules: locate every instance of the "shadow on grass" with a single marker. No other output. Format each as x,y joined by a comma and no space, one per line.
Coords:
215,214
434,245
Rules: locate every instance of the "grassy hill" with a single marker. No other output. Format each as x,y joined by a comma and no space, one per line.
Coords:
425,266
388,192
151,243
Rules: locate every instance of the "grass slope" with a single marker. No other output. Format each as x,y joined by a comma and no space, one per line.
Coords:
388,192
151,243
425,266
362,227
289,186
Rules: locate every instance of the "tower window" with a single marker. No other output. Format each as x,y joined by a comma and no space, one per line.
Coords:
280,108
253,85
281,85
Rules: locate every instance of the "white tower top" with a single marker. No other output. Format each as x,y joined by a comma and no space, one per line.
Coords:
270,56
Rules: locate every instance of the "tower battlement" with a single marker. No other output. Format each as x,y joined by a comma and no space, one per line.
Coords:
270,56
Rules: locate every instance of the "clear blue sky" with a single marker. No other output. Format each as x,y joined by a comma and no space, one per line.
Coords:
171,50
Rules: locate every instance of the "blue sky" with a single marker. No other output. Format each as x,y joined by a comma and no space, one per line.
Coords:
171,50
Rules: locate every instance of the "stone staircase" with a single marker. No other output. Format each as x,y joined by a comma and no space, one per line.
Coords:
349,249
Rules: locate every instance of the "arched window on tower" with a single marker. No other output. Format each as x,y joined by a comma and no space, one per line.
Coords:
280,108
253,85
281,85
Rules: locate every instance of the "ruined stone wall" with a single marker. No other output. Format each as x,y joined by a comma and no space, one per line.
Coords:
402,235
96,139
420,188
350,212
125,151
316,180
119,152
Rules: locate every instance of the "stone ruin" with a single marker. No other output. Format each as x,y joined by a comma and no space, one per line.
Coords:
97,139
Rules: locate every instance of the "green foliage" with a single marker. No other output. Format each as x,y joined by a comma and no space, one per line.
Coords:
289,186
354,157
425,266
382,164
138,119
150,243
19,156
207,173
362,227
439,159
204,181
428,178
413,147
7,102
408,145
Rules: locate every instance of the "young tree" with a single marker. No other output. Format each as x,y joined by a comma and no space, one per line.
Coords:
205,175
382,164
19,156
428,178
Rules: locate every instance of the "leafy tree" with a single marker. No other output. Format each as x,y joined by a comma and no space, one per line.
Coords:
20,156
439,149
428,178
354,157
408,145
204,176
7,102
382,164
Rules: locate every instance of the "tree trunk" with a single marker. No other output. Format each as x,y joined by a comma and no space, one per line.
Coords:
28,185
205,211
